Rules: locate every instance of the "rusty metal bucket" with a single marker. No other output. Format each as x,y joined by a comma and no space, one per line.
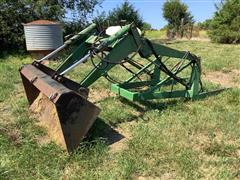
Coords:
61,108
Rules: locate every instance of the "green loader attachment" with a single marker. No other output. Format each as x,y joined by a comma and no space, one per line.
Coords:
154,71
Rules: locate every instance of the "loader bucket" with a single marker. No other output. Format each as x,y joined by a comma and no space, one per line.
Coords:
61,108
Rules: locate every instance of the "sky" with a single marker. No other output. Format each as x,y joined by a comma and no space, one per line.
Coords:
151,10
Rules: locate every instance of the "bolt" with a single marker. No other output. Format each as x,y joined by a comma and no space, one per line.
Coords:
53,96
33,79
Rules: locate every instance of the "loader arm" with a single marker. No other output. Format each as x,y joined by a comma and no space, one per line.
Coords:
159,72
126,46
127,41
81,41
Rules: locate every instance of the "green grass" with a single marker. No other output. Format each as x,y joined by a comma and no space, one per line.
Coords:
161,34
203,34
174,139
214,56
156,34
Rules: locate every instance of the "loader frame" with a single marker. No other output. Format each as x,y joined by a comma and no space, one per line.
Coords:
159,72
127,41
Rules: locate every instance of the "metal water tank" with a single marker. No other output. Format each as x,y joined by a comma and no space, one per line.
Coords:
43,35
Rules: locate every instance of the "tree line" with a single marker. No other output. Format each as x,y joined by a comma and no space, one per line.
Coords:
224,27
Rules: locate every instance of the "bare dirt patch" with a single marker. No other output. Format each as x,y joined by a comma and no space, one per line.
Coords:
96,95
147,178
201,39
120,145
164,176
13,134
202,143
225,79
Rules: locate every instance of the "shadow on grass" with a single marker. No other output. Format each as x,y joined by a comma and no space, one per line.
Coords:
106,132
211,93
102,130
138,109
14,53
144,106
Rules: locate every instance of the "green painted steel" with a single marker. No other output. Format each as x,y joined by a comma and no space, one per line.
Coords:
111,40
125,46
119,47
78,53
82,35
158,72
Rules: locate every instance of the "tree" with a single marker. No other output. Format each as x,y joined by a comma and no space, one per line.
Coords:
205,25
146,26
225,25
178,16
101,20
125,11
13,13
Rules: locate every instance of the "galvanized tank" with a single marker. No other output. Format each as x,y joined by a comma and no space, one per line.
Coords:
43,35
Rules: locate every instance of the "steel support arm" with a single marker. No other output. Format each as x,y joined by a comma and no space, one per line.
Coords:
162,50
83,35
81,41
120,51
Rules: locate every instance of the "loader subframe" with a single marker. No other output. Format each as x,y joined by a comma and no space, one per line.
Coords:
158,72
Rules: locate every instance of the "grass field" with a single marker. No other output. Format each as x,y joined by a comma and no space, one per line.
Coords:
165,139
161,34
